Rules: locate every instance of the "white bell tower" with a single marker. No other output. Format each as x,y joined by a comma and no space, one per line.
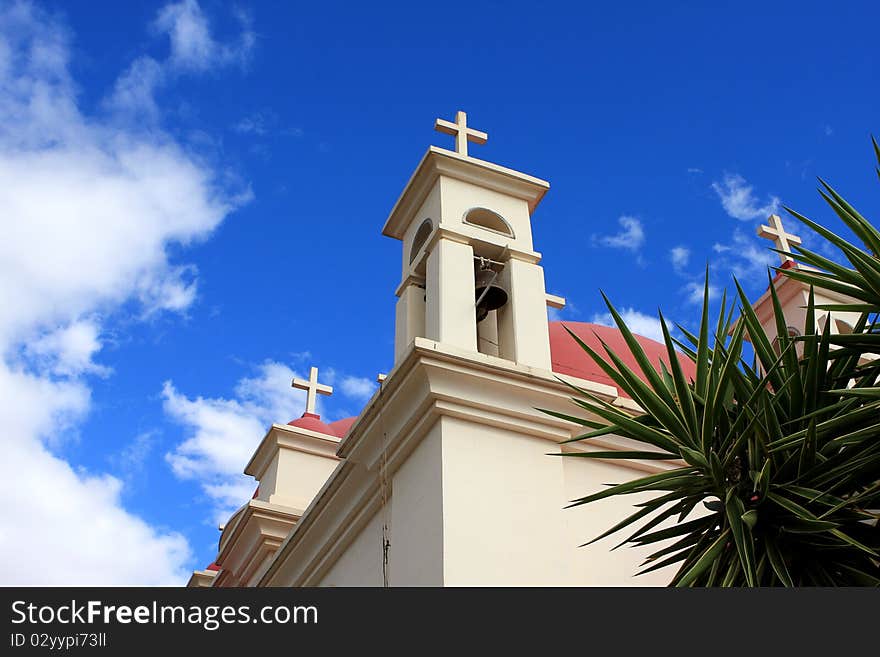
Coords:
462,219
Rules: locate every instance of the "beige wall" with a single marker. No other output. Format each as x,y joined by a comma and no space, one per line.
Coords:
596,564
458,197
301,475
502,512
415,520
417,516
361,563
477,505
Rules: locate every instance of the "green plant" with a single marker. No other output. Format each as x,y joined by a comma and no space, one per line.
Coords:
778,475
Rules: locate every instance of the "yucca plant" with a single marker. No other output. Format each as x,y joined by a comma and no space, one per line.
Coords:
776,456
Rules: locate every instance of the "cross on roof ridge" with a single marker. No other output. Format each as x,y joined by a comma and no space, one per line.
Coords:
776,232
313,389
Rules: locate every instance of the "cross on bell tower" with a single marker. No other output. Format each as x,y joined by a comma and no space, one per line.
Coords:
463,134
776,232
313,389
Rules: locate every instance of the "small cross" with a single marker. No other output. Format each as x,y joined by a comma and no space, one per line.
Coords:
776,232
462,133
313,389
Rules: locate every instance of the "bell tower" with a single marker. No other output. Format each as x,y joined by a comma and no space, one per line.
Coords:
470,277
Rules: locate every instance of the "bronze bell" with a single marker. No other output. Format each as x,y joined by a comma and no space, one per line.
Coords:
489,294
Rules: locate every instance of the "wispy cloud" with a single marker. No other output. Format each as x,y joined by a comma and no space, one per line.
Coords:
630,237
192,49
694,292
358,388
745,256
193,46
679,256
133,456
253,124
263,123
739,200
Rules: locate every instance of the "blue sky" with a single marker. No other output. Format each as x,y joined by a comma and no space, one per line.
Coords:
193,196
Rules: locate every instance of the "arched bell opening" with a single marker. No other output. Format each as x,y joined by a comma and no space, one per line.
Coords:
490,295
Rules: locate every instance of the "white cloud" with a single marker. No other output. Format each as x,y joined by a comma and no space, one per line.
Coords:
638,322
680,256
745,257
253,124
263,123
359,388
193,47
68,350
694,292
223,433
135,90
90,209
133,456
739,201
631,236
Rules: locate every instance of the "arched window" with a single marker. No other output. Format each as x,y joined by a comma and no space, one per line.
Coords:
487,219
421,237
843,327
792,333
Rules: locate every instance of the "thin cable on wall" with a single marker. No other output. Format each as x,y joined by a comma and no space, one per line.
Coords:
383,489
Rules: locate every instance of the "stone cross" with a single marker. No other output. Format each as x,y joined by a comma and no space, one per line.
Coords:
313,389
462,133
776,232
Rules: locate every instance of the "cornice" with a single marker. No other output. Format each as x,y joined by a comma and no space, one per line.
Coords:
259,531
287,437
439,162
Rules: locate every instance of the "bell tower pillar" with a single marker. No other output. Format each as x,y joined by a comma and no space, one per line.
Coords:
522,324
450,315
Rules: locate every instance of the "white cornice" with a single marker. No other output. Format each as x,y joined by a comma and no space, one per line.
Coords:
260,529
201,578
437,162
287,437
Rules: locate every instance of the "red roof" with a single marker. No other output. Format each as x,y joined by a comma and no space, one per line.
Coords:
341,427
568,357
313,422
213,567
788,264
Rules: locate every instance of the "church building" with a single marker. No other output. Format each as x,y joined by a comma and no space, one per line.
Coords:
449,475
